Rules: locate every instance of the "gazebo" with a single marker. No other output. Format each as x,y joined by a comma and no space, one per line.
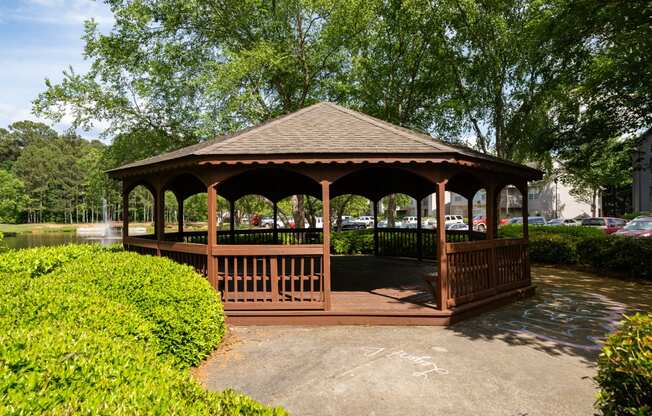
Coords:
284,275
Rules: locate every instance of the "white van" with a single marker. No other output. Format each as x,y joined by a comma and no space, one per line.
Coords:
454,219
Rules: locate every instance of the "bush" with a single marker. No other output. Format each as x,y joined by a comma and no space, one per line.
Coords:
185,311
42,260
631,215
631,256
516,231
107,332
353,242
625,369
552,248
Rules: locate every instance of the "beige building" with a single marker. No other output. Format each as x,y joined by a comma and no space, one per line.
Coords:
642,184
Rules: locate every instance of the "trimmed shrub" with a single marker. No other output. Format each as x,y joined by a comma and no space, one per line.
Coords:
107,333
42,260
516,230
631,256
625,369
353,242
185,311
552,248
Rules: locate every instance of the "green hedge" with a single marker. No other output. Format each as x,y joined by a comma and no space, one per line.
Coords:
630,256
86,330
625,369
516,231
353,242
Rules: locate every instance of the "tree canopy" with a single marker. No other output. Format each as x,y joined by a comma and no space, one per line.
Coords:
527,80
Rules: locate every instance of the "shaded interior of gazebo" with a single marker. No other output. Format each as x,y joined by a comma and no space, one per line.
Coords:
288,275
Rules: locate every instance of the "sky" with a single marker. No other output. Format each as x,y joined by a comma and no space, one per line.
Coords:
38,40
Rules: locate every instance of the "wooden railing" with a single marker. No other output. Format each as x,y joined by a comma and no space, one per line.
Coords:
403,242
185,253
268,277
480,269
291,236
252,236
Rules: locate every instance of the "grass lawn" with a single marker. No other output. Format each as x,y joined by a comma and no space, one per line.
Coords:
38,228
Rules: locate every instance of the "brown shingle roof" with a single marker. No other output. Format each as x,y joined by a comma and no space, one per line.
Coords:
323,128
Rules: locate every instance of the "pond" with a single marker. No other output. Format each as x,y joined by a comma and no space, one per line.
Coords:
53,239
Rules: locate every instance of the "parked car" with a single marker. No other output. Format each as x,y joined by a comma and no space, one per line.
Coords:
608,224
480,223
456,226
515,220
367,220
352,225
536,221
454,219
638,227
383,224
267,222
409,220
563,221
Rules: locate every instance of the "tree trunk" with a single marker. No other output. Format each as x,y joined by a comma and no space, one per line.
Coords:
593,203
298,211
391,210
340,212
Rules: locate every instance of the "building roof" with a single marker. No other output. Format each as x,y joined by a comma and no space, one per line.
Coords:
321,129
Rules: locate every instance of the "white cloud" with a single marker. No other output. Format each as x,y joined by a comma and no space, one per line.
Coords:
40,39
58,12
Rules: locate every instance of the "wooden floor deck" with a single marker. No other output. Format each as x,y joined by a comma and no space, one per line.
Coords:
369,290
381,284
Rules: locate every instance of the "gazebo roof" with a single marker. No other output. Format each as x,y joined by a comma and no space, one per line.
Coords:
323,129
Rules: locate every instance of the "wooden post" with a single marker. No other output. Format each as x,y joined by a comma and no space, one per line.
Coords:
442,266
125,211
469,203
159,217
491,232
526,231
490,210
180,217
525,213
375,227
326,264
212,234
275,229
232,221
419,236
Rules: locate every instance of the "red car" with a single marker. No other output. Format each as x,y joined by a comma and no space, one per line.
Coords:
480,222
608,224
639,227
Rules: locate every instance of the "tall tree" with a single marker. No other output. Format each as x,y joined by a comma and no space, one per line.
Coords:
13,199
593,169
